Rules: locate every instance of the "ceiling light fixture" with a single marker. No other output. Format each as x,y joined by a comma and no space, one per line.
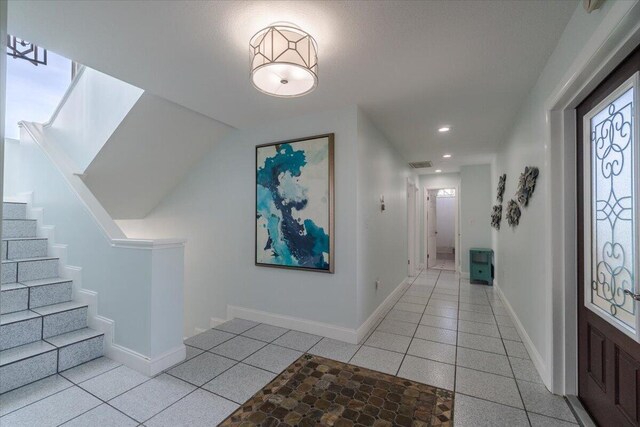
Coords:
284,61
438,170
444,129
446,156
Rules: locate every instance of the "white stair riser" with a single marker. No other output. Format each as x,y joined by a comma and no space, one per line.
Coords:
28,370
14,300
12,228
21,249
80,352
20,333
66,321
14,210
39,296
38,269
9,272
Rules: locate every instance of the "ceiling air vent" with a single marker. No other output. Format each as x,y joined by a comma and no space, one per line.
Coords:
421,165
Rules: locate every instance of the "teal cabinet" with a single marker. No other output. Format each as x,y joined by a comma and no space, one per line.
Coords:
481,268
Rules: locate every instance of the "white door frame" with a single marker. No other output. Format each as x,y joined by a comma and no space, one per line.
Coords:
411,229
617,35
425,230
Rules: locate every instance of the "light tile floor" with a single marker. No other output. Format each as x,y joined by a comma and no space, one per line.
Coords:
444,264
441,331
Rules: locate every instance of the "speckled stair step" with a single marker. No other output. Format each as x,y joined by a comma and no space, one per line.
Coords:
77,347
14,210
48,291
61,318
24,247
19,228
13,297
27,363
22,270
19,328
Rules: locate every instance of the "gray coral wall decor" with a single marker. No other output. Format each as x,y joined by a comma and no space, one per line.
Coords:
527,184
513,213
501,184
496,217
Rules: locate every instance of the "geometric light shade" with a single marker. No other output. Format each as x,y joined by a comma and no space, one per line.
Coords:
284,61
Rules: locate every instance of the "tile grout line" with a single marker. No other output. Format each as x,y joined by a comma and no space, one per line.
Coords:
373,328
59,391
266,343
416,330
515,380
455,361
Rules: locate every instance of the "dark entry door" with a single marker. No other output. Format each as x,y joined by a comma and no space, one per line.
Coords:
609,248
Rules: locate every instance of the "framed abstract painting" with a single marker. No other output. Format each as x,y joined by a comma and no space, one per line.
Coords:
294,204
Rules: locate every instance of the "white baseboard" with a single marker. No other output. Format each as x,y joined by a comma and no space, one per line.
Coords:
143,364
215,321
536,358
303,325
387,303
352,336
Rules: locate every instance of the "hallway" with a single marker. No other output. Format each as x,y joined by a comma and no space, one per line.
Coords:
442,331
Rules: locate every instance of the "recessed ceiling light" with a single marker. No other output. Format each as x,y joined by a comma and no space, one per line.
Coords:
444,129
438,170
447,156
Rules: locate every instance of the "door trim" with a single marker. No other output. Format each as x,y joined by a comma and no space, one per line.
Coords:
411,228
616,37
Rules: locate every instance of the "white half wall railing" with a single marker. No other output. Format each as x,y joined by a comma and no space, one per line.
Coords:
139,283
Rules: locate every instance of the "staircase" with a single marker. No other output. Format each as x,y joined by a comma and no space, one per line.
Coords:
42,331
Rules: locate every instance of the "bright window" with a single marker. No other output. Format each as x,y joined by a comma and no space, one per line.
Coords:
33,92
446,192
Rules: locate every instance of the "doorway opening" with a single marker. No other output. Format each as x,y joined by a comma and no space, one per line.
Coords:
441,237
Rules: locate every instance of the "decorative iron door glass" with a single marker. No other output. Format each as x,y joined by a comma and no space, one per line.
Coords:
612,160
294,204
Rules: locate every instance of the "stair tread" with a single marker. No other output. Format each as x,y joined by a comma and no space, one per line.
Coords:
24,351
57,308
40,258
14,202
42,282
72,337
11,286
13,239
18,219
17,316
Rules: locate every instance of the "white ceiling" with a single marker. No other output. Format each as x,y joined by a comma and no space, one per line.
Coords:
412,66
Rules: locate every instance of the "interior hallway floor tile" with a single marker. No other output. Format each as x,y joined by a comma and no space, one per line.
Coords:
228,364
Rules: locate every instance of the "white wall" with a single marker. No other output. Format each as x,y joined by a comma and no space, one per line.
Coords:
3,82
445,223
382,235
524,274
476,198
156,145
213,207
93,109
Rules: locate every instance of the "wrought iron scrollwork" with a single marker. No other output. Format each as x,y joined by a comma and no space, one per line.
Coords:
612,151
21,49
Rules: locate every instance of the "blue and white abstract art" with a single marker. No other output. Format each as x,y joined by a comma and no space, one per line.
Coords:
294,204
